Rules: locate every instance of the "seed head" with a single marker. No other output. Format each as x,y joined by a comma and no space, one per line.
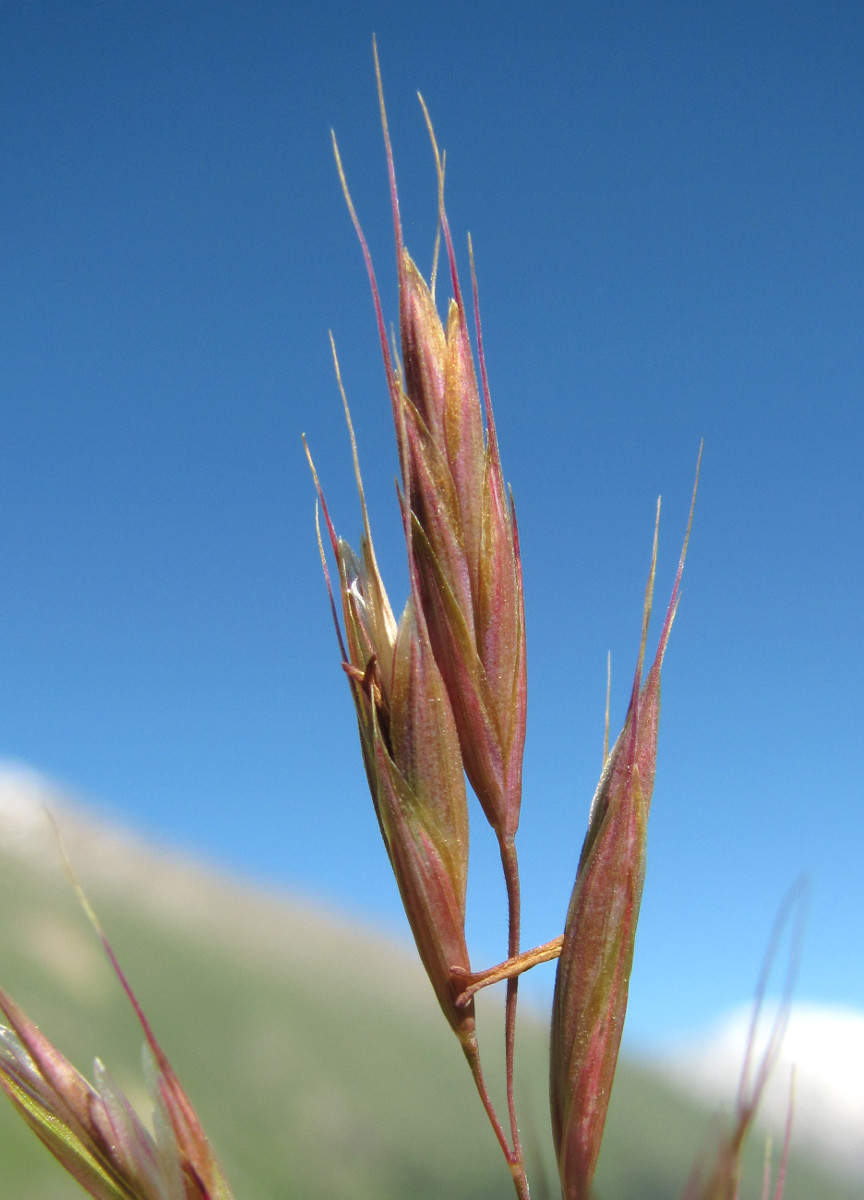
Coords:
593,976
94,1132
460,523
411,755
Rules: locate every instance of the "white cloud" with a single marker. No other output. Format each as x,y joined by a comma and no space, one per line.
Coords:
826,1046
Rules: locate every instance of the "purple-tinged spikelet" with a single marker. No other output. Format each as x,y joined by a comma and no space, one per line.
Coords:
94,1132
460,521
411,755
593,976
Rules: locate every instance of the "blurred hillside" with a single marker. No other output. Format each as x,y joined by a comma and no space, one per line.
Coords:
312,1048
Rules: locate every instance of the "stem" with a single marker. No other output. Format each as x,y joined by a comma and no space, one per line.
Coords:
511,877
517,1170
472,982
472,1053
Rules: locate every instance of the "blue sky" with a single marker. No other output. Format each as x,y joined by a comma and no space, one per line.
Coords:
666,207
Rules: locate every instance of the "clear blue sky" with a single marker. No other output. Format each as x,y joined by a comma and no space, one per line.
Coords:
667,206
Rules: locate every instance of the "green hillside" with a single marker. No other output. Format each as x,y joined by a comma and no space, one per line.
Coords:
313,1051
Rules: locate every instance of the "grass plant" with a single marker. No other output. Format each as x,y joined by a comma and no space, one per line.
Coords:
440,697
